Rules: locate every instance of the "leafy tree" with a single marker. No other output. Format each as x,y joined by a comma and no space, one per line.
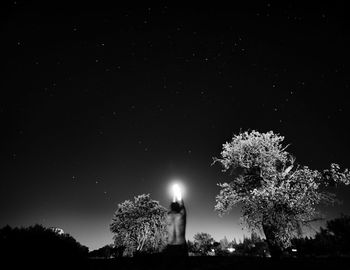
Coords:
119,247
140,226
276,195
191,247
203,242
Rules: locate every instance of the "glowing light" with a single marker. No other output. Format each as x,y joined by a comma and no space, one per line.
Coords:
177,194
231,249
176,190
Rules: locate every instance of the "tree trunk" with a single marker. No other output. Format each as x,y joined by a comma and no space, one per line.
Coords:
271,234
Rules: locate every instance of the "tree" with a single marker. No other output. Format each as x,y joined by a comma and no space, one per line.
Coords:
203,242
140,226
277,196
191,247
37,242
339,228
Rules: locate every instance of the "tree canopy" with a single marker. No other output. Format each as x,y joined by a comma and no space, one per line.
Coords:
276,195
37,242
140,225
203,242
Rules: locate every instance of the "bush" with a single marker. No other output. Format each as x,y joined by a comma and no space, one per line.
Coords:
39,243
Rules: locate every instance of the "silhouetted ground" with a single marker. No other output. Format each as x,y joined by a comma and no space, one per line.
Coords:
196,263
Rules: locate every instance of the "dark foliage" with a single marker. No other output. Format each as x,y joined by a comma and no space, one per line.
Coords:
154,262
334,240
103,252
253,246
39,243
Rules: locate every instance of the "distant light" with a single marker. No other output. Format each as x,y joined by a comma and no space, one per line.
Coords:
231,249
294,250
212,250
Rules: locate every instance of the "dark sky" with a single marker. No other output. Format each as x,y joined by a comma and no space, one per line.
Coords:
101,103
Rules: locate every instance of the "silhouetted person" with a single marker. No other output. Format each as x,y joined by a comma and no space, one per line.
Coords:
176,225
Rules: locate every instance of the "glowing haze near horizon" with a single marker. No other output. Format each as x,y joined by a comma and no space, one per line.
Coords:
101,104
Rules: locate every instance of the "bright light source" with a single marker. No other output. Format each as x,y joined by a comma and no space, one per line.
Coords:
177,190
294,250
231,249
177,196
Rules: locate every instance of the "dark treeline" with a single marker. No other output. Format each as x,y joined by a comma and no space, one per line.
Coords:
39,243
107,251
331,241
334,240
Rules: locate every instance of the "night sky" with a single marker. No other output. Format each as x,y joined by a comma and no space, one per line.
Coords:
100,103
